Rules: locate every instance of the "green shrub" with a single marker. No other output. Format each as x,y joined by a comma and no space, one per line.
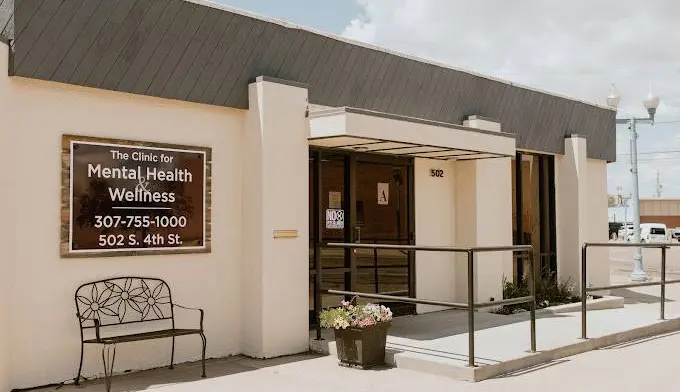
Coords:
549,292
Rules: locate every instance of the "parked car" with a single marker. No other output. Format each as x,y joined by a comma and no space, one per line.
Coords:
653,233
649,233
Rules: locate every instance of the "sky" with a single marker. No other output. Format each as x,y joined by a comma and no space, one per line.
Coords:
577,48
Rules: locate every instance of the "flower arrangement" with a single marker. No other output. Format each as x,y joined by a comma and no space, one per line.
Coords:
359,316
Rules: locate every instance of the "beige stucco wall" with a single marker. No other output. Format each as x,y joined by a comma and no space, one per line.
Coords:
469,207
570,199
276,197
43,333
484,218
597,219
6,233
494,226
581,213
435,226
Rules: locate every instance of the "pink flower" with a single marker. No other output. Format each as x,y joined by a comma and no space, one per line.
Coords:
367,322
345,303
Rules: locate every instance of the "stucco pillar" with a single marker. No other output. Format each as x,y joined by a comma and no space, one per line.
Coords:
435,226
597,222
275,177
484,218
570,207
6,230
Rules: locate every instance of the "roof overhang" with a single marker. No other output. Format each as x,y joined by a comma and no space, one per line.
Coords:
375,132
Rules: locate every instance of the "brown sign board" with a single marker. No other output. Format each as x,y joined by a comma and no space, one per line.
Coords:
123,197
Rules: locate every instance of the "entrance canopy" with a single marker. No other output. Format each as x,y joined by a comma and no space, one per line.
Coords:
375,132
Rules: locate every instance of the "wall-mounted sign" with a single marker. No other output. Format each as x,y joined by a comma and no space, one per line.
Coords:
335,219
437,173
334,200
383,193
125,197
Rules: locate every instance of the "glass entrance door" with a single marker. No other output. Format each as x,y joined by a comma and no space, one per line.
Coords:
382,209
372,195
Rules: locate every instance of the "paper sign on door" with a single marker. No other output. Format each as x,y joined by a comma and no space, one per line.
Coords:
334,200
335,219
383,193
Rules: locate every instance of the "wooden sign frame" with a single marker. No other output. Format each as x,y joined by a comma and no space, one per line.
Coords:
127,240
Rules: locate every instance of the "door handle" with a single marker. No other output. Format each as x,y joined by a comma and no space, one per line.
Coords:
357,237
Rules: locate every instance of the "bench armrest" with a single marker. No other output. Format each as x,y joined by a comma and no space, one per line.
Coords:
94,320
196,309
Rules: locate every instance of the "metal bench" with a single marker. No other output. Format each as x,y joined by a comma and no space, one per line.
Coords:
104,306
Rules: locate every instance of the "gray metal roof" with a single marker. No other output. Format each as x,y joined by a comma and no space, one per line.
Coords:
6,20
194,52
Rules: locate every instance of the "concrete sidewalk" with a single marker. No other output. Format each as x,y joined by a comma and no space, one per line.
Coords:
633,367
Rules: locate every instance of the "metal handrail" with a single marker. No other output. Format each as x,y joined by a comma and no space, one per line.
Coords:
584,274
470,306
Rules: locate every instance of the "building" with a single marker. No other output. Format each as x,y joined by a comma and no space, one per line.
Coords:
269,137
666,211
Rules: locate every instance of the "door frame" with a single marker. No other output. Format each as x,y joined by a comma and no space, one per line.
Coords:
351,159
547,259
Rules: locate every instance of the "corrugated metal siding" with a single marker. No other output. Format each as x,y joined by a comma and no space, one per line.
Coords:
182,50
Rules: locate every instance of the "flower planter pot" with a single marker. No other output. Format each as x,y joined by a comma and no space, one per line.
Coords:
364,347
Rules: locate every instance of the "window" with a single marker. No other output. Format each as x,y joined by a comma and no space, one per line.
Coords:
533,210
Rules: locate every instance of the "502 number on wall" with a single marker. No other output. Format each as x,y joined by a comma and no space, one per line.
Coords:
437,173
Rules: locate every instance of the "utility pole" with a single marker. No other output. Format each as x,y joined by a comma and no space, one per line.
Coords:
623,202
658,185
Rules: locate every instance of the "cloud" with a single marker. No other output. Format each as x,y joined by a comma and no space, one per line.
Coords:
577,48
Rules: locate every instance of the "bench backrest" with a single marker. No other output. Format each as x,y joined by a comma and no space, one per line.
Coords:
123,300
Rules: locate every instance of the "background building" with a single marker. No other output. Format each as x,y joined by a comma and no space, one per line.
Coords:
666,211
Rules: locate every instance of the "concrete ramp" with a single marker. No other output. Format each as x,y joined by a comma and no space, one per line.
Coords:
437,343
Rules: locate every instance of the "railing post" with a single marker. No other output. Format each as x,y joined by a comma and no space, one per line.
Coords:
317,289
471,308
584,252
532,288
663,282
318,238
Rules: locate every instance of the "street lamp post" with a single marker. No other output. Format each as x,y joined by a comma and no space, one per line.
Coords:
651,104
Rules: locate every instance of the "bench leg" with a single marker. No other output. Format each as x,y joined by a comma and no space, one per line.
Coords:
109,357
80,367
205,342
172,355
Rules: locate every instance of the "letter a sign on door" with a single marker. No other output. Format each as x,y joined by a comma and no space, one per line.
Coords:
383,193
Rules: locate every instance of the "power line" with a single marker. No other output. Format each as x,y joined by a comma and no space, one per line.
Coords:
655,160
653,152
652,159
